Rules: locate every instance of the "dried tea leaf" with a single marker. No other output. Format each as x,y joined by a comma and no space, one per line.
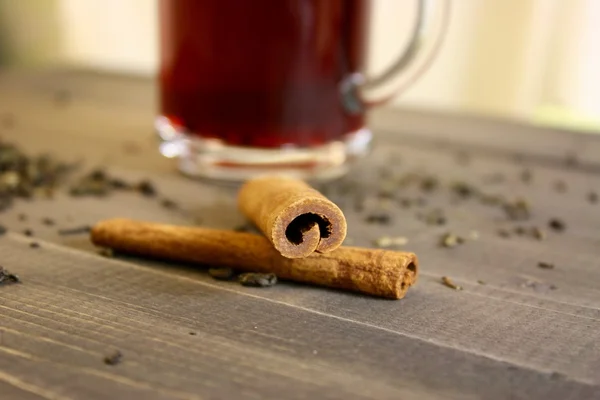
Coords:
222,274
256,279
448,282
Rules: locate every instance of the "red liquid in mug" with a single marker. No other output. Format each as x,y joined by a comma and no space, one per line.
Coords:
260,73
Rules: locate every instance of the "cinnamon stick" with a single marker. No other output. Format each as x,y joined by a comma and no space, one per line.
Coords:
297,219
376,272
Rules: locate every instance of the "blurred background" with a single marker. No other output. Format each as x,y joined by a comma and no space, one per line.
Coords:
532,60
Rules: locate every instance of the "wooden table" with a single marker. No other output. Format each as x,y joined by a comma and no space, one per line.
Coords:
515,331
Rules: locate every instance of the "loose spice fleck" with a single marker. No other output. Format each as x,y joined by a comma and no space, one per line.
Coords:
146,188
504,233
451,240
257,279
526,176
75,231
448,282
7,278
381,218
560,186
557,224
222,274
545,265
168,204
538,233
47,221
106,252
114,358
517,210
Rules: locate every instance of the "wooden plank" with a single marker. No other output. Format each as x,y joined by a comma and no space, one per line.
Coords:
74,308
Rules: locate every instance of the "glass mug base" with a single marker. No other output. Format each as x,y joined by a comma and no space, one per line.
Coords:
214,159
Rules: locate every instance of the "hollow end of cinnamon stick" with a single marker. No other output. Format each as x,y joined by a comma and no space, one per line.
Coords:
297,219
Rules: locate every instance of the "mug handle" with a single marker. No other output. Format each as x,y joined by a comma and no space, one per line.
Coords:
355,87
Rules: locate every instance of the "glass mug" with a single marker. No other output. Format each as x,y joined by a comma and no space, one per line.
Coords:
255,86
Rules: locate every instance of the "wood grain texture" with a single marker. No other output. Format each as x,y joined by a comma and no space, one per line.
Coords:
527,333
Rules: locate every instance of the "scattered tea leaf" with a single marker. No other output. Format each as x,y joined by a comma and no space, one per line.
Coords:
114,358
560,186
557,224
146,188
526,176
7,278
380,218
106,252
545,265
47,221
538,233
75,231
223,274
169,204
451,240
504,233
517,210
448,282
256,279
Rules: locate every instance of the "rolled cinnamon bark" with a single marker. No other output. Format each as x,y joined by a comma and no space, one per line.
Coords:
376,272
297,219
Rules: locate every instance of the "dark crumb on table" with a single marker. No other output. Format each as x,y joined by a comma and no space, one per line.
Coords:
222,274
48,221
28,232
34,245
106,252
169,204
146,188
114,358
447,282
560,186
517,210
520,230
451,240
526,176
381,218
463,189
192,333
592,197
62,97
545,265
557,224
538,233
256,279
504,233
7,278
75,231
